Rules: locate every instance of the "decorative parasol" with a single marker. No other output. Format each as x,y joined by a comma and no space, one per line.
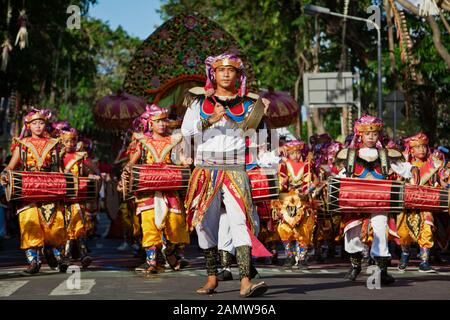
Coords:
116,112
283,109
172,60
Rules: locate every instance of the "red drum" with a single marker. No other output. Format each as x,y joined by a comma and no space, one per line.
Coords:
350,195
31,186
264,184
157,177
87,190
264,210
426,198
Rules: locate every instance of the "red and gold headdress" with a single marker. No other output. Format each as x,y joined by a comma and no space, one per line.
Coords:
38,114
294,145
417,140
225,59
366,124
69,134
34,114
156,113
414,141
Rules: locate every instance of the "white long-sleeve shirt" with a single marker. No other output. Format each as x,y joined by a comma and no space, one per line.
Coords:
401,168
220,144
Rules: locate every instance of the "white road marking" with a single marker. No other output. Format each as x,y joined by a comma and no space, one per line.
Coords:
7,288
86,286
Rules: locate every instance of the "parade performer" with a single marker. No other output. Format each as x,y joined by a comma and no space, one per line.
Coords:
327,230
268,234
415,225
41,223
131,225
162,213
213,118
79,164
297,218
86,144
366,158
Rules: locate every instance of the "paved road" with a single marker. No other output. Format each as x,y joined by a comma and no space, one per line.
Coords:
112,276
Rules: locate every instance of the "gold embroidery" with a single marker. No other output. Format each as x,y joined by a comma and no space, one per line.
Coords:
47,212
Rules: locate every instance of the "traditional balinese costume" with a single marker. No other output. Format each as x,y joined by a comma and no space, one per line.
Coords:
362,162
297,218
219,175
41,223
415,225
163,219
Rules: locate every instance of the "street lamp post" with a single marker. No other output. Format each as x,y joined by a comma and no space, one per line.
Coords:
312,9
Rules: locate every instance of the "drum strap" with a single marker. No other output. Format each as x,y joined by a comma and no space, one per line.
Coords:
351,158
384,160
23,156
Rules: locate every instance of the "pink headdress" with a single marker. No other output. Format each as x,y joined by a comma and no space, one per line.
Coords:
413,141
70,133
34,114
294,145
58,127
152,112
365,124
156,113
225,59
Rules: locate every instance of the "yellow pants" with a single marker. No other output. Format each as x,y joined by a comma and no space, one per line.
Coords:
88,224
127,224
324,230
266,236
76,227
425,239
175,229
302,233
130,221
35,232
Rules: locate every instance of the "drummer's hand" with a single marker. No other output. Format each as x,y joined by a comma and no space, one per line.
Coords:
187,161
120,186
4,179
125,172
219,112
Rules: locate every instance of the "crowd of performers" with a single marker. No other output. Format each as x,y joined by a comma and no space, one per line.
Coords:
220,202
53,229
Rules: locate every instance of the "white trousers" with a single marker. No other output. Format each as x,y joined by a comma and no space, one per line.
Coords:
379,223
225,238
226,230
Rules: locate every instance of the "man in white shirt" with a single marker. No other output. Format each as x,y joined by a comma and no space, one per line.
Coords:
213,118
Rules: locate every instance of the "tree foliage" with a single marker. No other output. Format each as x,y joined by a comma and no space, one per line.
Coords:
279,39
63,69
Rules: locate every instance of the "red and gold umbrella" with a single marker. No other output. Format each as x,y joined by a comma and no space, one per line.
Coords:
283,109
116,112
